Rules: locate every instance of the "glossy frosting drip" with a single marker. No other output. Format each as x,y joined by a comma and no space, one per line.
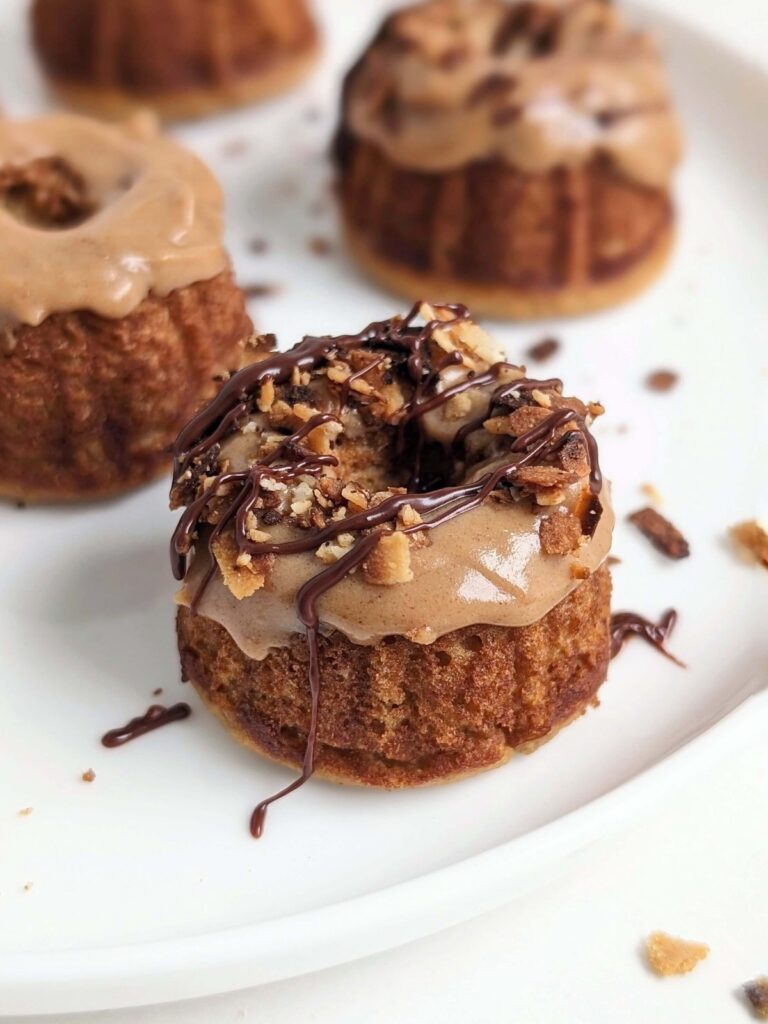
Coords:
154,222
485,567
539,84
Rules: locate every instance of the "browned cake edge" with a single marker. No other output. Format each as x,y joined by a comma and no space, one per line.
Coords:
89,407
400,714
506,302
190,104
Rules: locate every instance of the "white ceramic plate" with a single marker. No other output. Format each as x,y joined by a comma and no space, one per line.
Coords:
145,885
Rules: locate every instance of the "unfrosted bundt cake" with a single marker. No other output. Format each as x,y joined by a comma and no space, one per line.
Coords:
393,553
118,310
516,155
184,58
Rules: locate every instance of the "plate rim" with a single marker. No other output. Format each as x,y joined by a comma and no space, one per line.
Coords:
229,960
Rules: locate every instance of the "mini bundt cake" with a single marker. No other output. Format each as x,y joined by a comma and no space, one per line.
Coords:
393,553
184,58
516,154
119,315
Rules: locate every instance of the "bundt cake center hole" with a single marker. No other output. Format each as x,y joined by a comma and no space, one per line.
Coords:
46,193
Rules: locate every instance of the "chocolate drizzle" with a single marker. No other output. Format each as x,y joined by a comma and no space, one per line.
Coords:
153,718
627,624
408,347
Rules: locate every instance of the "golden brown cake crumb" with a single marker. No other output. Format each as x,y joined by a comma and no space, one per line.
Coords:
757,993
88,776
668,955
665,537
27,886
753,537
25,812
652,493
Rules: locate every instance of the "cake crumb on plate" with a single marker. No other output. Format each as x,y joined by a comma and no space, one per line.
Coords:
668,955
753,537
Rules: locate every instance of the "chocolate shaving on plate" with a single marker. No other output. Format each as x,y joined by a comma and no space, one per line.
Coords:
665,537
543,350
661,380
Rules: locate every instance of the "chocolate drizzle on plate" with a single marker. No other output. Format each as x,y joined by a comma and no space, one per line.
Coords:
627,624
153,718
408,346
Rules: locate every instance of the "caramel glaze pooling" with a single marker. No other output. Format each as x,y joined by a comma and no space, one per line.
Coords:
203,442
154,225
539,84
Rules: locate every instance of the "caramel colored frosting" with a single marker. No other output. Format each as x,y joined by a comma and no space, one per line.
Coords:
486,567
538,84
153,220
506,560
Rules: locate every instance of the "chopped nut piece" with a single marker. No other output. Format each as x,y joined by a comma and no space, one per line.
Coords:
266,395
560,533
665,537
579,571
757,993
668,955
390,561
88,776
332,551
355,497
541,398
408,516
424,635
338,373
458,407
754,537
241,579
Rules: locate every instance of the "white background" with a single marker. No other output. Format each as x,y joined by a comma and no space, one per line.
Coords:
571,953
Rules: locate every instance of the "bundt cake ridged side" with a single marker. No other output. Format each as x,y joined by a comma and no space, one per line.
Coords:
183,57
492,236
403,714
89,406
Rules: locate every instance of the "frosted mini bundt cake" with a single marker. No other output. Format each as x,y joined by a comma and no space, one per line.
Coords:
516,155
393,552
184,58
118,311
